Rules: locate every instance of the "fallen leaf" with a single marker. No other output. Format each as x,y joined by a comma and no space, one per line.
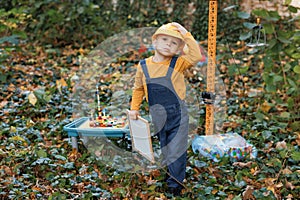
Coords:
155,173
32,98
242,164
289,185
281,145
81,51
7,170
36,188
287,171
265,107
74,155
18,138
271,188
279,185
13,129
298,140
289,197
214,191
247,194
230,125
254,171
3,103
151,181
61,83
269,181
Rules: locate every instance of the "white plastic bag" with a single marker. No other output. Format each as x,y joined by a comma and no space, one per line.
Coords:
219,145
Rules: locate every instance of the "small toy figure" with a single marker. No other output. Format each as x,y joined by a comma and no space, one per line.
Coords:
100,118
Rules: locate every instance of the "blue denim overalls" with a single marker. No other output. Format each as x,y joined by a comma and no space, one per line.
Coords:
170,119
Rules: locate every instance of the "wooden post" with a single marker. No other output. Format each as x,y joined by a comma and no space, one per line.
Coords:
211,64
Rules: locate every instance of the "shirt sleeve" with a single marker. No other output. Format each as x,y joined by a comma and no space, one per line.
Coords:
138,92
192,51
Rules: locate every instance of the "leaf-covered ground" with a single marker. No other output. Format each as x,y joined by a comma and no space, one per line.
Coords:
37,160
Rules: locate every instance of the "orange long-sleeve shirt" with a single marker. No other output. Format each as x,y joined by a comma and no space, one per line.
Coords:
159,69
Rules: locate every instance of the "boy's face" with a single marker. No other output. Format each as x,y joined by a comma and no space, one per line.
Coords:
167,45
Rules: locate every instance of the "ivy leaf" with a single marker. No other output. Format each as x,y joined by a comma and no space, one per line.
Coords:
245,36
243,15
269,28
297,69
268,15
41,161
284,40
17,138
296,55
260,12
293,9
249,25
69,165
41,153
39,93
60,157
296,155
274,162
10,39
285,115
229,8
287,67
287,2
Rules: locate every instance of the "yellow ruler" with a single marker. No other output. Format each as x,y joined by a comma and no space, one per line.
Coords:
211,64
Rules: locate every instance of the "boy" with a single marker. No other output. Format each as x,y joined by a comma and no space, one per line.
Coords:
160,79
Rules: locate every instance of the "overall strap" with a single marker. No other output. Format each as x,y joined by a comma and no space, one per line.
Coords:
171,66
144,68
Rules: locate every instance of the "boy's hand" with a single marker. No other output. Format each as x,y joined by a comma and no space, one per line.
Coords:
133,114
180,28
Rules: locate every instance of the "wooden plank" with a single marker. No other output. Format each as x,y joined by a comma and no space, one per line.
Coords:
141,137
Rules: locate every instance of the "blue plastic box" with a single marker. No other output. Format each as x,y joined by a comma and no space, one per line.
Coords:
80,127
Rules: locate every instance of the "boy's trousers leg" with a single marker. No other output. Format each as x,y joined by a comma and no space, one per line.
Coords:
173,140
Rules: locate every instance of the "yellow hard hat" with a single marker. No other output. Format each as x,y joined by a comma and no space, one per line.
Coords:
167,29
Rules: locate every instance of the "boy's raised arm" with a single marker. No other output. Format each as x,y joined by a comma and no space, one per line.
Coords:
192,50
